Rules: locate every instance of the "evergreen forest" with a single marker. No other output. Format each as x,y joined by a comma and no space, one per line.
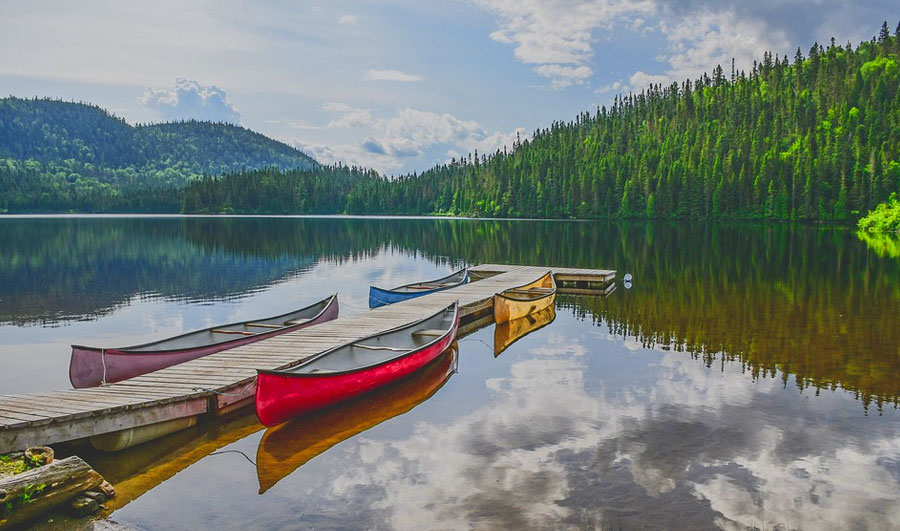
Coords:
58,156
811,137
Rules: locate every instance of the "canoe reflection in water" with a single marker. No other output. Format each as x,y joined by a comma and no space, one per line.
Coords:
288,446
507,333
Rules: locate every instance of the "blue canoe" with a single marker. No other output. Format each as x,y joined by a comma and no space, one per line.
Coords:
382,297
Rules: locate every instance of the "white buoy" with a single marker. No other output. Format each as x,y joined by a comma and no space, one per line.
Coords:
627,285
627,277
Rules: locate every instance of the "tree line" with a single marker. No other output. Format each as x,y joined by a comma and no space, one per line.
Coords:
809,137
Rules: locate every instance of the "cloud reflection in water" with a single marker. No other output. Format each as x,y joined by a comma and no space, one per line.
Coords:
708,448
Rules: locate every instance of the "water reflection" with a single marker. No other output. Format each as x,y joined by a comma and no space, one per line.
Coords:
507,333
54,270
884,245
557,447
728,388
574,428
288,446
815,303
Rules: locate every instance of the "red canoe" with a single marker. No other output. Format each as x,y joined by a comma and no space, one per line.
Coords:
355,368
92,366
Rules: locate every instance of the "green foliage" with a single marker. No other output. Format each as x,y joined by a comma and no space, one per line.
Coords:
881,65
815,139
883,244
11,467
60,156
885,217
31,491
324,190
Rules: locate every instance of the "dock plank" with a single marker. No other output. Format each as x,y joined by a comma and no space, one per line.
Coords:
192,388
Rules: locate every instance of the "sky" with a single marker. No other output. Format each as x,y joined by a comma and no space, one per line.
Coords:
396,85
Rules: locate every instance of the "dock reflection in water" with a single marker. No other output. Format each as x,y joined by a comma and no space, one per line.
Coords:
288,446
505,334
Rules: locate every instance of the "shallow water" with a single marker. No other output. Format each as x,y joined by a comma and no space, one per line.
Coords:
749,377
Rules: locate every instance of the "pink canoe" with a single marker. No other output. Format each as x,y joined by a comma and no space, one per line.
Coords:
92,366
354,368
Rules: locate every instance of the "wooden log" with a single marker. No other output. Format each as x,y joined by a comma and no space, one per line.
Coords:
83,506
34,492
38,456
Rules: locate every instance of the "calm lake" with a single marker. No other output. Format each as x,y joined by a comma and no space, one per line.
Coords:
749,378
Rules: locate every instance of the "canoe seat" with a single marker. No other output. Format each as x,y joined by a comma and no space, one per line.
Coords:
265,325
529,291
425,332
295,322
239,332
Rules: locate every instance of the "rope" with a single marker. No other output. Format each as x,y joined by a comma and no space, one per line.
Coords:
220,452
103,359
478,340
345,303
208,390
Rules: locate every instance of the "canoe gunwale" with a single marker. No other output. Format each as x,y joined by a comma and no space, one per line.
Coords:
427,291
531,299
331,299
290,372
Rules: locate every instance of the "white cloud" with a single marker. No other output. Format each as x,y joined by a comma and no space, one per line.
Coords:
348,20
551,441
705,39
641,79
564,76
350,155
349,117
410,135
191,100
612,87
558,35
390,75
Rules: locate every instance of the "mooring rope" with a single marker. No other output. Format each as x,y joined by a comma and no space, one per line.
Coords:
478,340
103,360
209,390
234,452
345,303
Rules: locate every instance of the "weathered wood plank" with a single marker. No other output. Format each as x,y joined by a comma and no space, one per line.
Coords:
83,427
229,376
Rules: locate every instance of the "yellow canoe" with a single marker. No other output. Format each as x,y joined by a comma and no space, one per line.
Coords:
286,447
524,300
505,334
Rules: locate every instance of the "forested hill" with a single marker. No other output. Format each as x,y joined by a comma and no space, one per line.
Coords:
812,137
65,155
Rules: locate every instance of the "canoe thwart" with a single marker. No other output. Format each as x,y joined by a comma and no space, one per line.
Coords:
264,325
241,332
429,333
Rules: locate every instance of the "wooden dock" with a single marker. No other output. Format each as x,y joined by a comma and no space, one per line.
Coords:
170,399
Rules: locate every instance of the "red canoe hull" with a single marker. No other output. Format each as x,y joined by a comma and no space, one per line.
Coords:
283,396
86,368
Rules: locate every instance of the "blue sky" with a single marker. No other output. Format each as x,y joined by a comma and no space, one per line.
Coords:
396,85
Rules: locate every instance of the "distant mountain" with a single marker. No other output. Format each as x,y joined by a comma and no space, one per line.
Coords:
57,155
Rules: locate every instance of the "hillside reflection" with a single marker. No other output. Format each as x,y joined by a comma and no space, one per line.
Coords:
789,300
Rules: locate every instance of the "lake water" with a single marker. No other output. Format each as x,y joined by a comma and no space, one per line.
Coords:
748,379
